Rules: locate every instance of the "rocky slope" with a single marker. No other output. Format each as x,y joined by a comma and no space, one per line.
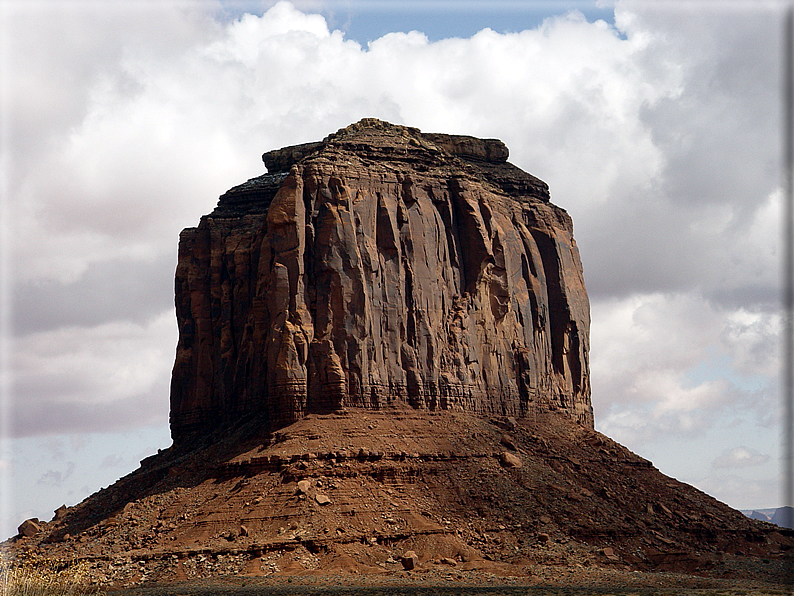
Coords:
348,494
381,265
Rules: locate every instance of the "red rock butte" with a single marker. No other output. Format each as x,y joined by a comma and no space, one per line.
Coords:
382,374
381,266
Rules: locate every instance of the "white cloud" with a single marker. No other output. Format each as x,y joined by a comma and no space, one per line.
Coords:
112,460
45,473
740,491
679,364
740,457
753,337
577,103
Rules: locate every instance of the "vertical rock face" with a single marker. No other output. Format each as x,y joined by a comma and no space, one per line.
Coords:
381,265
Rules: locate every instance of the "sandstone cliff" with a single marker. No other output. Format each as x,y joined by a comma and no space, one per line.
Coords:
381,265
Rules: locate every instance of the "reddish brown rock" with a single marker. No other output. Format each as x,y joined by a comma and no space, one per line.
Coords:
30,527
409,560
381,266
437,490
509,460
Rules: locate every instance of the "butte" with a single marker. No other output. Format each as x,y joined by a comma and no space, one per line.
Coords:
382,374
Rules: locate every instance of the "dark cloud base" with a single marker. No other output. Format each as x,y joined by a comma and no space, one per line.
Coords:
51,418
120,289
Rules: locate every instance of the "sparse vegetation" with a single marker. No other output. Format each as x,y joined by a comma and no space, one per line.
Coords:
39,578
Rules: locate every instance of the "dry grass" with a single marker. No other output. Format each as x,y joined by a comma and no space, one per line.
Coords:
38,578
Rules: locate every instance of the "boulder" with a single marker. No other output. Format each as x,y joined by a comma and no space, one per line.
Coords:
509,443
510,460
409,560
30,527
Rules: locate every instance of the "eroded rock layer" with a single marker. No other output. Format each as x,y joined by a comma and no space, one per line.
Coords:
380,266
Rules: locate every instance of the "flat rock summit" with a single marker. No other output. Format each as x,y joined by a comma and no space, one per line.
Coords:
382,379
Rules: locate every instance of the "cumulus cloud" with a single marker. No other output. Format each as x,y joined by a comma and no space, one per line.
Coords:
740,491
740,457
129,289
709,216
105,377
658,133
679,363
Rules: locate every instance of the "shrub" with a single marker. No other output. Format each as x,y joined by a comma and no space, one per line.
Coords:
32,577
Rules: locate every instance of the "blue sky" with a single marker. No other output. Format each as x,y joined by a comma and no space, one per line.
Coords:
438,19
656,126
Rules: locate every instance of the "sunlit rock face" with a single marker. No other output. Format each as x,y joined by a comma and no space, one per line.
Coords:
381,266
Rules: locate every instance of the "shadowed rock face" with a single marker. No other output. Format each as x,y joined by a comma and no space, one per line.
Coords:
381,265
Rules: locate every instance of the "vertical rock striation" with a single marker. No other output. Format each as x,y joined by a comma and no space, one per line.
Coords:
381,265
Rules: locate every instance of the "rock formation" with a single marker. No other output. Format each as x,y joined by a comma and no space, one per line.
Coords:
381,266
383,289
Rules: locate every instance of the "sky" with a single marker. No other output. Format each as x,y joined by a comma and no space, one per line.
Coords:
655,124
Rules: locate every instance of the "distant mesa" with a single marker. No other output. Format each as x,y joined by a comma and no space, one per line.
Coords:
381,266
780,516
783,517
757,515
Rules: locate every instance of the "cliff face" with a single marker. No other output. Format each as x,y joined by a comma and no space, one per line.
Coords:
381,265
